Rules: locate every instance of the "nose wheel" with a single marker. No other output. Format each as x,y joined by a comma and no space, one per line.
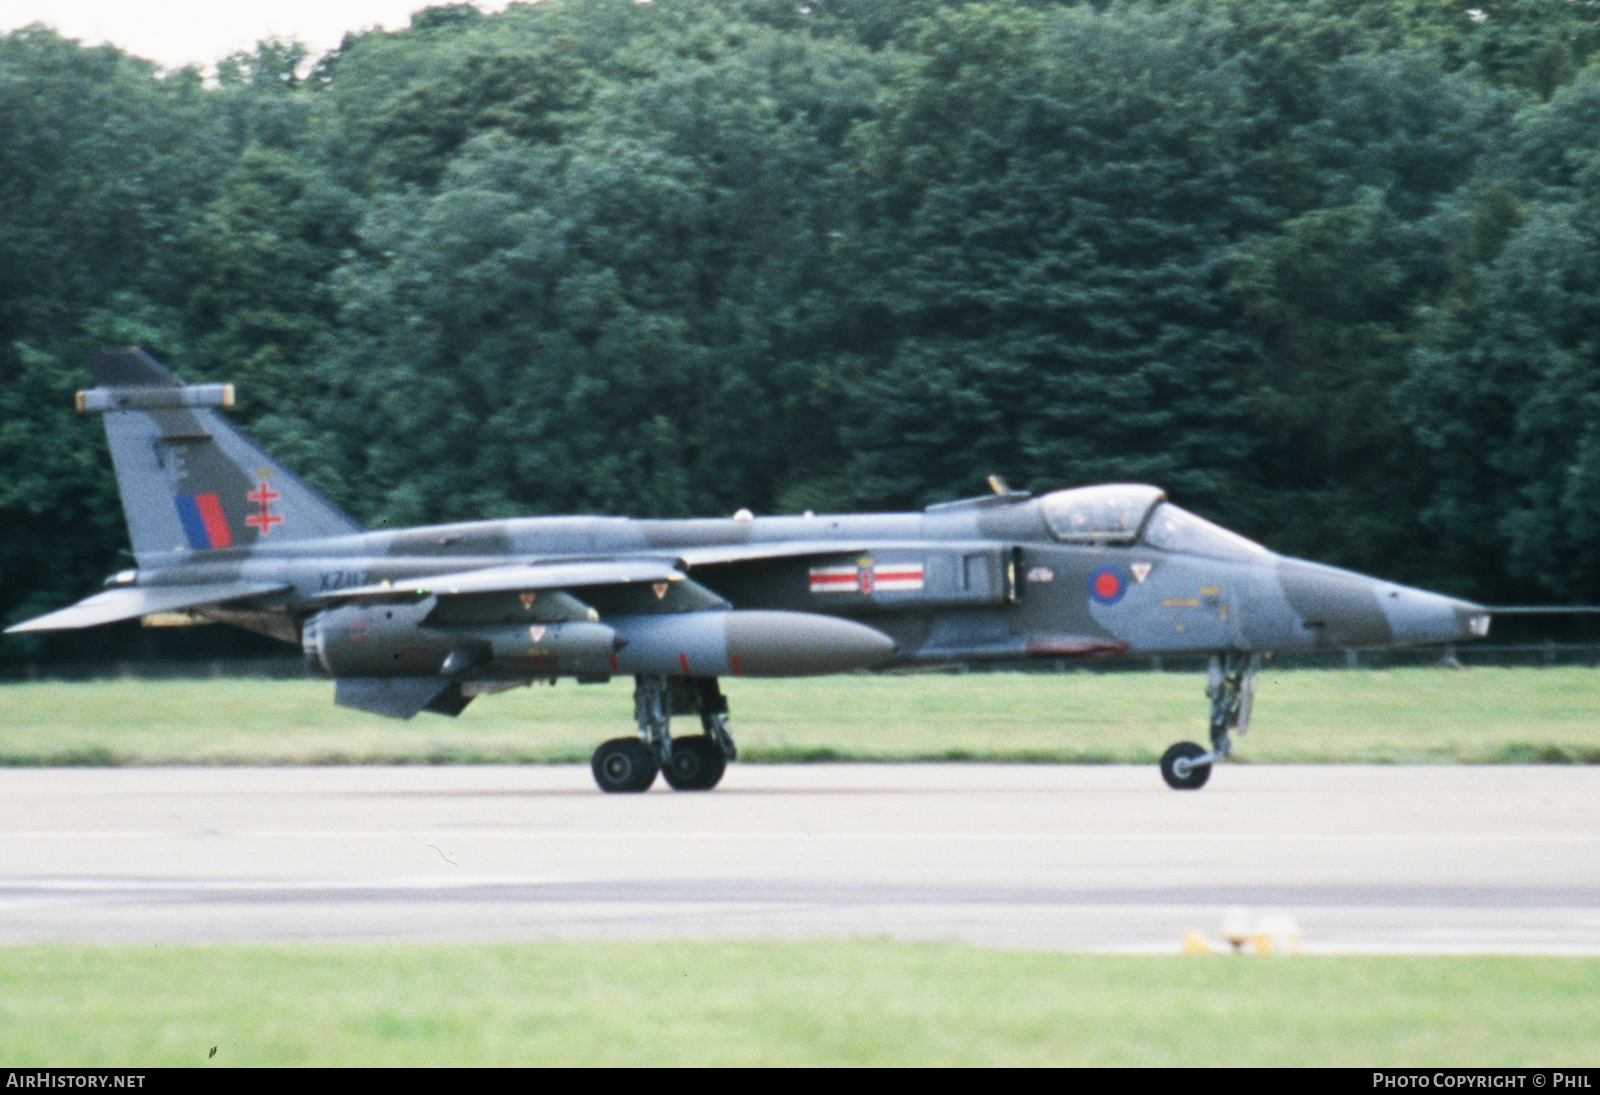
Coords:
1231,686
1186,766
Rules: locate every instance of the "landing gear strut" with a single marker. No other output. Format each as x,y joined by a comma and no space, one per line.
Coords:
693,763
1232,689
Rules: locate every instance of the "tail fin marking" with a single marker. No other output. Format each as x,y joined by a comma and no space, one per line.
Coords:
189,480
203,521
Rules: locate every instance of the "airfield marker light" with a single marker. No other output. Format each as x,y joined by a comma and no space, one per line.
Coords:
1236,927
1277,935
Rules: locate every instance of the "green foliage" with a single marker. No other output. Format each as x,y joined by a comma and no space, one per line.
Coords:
523,94
262,252
1506,386
1037,265
602,324
274,64
102,163
58,506
1535,45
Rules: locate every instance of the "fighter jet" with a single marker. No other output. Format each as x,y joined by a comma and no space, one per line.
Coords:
427,619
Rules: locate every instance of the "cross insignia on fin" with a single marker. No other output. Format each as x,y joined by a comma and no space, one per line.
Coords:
263,496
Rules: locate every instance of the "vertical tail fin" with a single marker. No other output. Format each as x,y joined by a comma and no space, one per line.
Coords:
190,482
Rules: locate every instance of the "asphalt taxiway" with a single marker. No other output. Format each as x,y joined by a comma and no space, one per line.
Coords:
1363,859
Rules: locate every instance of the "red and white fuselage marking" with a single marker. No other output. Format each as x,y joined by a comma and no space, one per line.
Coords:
879,578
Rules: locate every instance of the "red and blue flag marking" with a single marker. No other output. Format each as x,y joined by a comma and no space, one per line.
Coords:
203,521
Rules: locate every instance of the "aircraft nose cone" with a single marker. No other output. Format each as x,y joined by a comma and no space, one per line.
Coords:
1339,608
1417,616
1343,609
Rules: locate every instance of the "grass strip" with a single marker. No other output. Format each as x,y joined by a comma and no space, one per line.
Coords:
1398,716
860,1003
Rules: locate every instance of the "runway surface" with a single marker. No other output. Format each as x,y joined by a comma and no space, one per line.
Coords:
1365,859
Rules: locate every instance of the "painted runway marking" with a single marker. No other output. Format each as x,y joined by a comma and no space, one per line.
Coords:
667,834
1391,860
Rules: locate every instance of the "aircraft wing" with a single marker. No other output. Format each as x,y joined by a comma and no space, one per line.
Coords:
747,553
129,602
524,578
563,590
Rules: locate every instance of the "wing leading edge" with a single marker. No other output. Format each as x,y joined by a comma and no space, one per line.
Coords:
130,602
524,578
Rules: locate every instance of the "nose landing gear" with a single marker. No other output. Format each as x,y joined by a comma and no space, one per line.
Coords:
1186,766
1232,689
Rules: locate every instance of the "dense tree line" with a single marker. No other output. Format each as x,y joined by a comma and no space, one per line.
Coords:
1329,270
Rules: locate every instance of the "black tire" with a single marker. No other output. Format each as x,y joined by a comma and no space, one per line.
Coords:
1194,777
697,764
623,765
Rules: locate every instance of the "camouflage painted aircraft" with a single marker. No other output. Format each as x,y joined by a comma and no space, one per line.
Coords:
426,619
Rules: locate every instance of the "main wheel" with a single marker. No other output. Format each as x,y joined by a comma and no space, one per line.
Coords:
697,764
1180,771
623,765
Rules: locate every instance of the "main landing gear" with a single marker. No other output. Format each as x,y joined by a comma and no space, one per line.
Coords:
1232,689
692,763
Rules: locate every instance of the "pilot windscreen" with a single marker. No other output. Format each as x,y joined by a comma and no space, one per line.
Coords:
1175,529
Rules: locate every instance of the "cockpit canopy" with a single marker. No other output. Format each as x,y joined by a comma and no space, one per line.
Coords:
1171,528
1109,514
1125,513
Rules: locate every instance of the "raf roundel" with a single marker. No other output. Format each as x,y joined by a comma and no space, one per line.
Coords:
1107,585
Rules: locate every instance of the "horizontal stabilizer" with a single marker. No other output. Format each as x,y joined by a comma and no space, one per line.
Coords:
131,602
155,399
